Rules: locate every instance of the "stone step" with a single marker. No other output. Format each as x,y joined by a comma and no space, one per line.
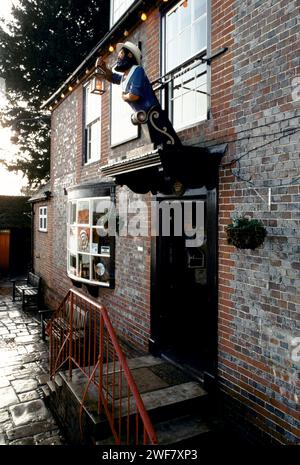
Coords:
176,403
46,391
174,431
51,386
180,429
58,381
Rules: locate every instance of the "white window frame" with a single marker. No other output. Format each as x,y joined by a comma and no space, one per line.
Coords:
92,121
43,218
180,81
74,251
117,9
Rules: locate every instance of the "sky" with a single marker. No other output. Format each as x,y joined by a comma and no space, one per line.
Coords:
10,183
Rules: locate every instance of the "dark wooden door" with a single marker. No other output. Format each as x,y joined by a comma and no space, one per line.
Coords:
184,297
4,250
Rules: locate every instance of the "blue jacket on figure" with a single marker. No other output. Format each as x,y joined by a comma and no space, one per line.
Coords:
137,83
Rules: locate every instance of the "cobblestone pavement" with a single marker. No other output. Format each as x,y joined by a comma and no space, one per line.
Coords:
24,418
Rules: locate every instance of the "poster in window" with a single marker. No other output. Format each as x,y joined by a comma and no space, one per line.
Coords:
83,212
100,269
84,266
83,239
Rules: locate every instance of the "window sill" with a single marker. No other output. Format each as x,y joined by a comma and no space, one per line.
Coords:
87,281
91,162
190,126
43,230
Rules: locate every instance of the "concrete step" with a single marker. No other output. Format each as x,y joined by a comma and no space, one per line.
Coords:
46,391
51,386
174,431
176,404
58,381
180,429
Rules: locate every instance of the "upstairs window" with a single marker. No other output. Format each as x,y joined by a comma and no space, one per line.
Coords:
185,36
118,8
43,219
92,107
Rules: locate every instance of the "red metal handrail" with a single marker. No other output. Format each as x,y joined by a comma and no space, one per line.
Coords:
82,336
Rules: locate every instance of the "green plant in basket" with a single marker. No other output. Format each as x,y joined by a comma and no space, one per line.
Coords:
245,233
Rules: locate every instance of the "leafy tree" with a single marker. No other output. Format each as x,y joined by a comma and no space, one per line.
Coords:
39,48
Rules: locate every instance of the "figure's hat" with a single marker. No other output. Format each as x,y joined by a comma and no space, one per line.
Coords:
132,48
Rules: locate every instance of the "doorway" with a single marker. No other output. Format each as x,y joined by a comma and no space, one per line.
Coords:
184,282
4,250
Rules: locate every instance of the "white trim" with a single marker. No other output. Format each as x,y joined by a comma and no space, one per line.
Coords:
113,20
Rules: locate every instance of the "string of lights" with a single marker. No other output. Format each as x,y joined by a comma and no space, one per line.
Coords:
139,11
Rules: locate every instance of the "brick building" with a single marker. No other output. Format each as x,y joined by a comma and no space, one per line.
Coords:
231,87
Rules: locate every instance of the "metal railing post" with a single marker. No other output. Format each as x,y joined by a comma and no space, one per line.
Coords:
71,335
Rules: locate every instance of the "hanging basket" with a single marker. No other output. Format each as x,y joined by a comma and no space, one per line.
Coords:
246,234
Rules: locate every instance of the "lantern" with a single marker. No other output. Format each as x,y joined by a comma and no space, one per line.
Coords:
98,81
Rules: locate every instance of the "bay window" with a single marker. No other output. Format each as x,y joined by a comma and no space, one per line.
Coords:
90,247
185,36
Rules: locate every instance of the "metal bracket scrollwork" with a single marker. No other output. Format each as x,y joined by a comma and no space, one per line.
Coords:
164,131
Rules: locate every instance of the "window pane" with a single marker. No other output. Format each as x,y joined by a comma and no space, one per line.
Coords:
83,240
45,223
100,207
84,266
100,243
41,223
199,8
72,239
94,141
184,15
83,212
100,269
72,264
92,106
118,9
198,36
72,213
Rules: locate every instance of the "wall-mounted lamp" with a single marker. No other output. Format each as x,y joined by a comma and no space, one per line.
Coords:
98,81
47,194
65,191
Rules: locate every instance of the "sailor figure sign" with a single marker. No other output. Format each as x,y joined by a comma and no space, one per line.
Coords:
138,93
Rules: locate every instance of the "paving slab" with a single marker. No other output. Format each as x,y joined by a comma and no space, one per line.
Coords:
24,417
27,412
27,396
8,397
4,382
4,416
31,429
